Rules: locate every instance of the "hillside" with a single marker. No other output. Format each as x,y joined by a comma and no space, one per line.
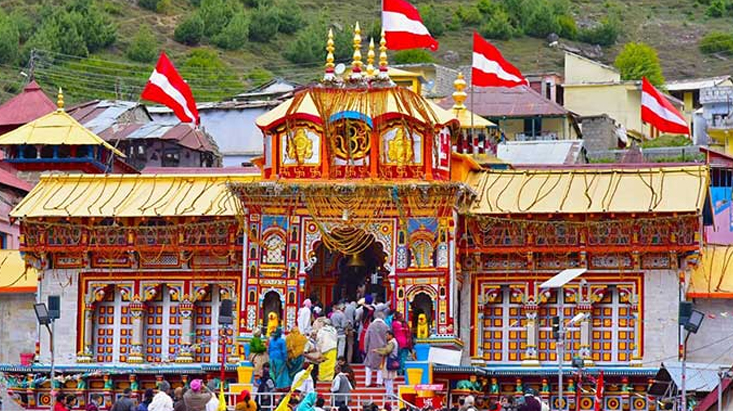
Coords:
673,27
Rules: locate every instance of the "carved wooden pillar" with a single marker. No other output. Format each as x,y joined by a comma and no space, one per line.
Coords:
137,309
185,308
530,309
95,294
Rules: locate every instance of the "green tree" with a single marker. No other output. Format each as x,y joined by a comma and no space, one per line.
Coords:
164,7
413,56
541,20
717,42
498,26
309,45
265,24
291,17
216,15
93,25
718,8
9,40
567,27
638,60
25,25
143,47
190,31
432,20
470,15
234,36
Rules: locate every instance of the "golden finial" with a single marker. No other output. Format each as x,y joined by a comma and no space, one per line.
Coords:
329,48
356,64
383,54
459,96
370,58
60,100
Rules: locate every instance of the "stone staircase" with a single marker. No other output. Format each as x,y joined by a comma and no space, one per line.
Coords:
361,388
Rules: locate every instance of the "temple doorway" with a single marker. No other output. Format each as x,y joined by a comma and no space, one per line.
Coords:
337,276
421,304
272,303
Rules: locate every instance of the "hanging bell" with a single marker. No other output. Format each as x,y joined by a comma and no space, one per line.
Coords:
355,260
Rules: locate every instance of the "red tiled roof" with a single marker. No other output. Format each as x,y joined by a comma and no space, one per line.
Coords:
496,102
27,106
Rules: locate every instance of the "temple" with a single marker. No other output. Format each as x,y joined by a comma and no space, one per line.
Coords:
364,187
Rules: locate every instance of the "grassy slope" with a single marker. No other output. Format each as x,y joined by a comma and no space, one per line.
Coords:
672,26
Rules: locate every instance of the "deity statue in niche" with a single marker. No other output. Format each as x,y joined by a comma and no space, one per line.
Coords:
273,250
423,327
422,254
400,150
300,147
272,322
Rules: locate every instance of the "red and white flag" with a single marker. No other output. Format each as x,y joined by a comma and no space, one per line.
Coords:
490,68
403,27
659,112
599,392
167,87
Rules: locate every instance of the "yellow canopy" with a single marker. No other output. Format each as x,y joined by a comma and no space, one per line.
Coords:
590,190
713,275
55,128
464,116
15,277
307,108
126,195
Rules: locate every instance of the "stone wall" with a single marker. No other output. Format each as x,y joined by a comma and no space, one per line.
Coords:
17,326
599,133
661,302
713,342
64,283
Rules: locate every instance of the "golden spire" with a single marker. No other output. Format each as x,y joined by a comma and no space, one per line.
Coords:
329,57
60,100
383,56
329,48
356,63
459,96
370,59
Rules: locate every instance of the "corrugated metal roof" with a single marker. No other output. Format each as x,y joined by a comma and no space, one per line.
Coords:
695,83
498,102
540,152
590,190
15,277
27,106
123,195
712,277
109,112
699,376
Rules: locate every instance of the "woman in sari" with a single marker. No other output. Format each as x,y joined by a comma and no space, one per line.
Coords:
279,360
295,343
257,351
327,342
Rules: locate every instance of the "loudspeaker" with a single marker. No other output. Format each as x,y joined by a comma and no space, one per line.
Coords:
54,307
225,312
684,312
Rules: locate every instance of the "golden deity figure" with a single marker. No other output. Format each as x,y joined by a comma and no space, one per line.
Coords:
400,149
272,322
423,328
300,147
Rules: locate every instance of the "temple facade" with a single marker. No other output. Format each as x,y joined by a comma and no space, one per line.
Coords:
361,191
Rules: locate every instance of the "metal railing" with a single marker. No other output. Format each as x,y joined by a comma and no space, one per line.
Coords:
355,401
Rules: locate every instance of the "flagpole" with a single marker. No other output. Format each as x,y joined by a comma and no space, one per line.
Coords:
472,113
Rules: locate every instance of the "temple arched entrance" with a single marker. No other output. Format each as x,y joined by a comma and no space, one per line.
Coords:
272,303
337,276
421,303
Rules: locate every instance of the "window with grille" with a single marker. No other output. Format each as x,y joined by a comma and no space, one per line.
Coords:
612,329
504,334
205,327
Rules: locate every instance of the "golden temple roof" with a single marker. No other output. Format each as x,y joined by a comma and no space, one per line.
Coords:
118,195
307,109
15,277
590,190
713,275
56,128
